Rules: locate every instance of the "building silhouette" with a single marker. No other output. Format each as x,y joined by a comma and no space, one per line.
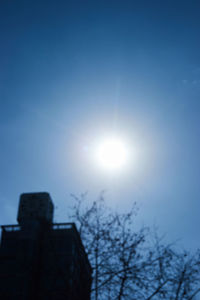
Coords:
40,259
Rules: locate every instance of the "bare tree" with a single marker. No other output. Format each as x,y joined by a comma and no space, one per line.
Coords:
127,262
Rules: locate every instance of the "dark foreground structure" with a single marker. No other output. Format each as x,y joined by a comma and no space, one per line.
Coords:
40,259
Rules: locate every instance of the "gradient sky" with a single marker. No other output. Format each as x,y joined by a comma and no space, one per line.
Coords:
73,71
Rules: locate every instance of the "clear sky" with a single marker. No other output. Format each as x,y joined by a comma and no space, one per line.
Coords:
73,71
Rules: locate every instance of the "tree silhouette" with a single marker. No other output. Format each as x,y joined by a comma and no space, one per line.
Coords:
130,263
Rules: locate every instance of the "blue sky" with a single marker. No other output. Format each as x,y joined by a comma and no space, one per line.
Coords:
72,71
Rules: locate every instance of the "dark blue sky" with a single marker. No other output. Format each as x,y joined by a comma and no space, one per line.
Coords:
71,71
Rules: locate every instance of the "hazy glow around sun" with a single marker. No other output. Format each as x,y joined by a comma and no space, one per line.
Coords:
111,154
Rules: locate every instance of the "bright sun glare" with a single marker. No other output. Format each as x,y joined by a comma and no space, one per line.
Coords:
111,154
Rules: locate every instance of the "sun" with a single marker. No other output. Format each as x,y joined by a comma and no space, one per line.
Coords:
111,154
